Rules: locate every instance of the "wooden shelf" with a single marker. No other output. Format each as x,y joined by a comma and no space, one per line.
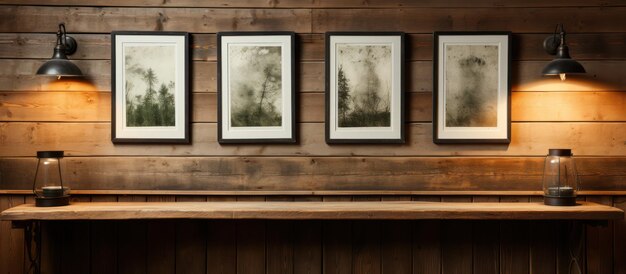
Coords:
313,210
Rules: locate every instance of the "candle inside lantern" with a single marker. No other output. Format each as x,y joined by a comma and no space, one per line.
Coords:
563,191
53,191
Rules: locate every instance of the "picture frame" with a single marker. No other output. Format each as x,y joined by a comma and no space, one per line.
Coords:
150,87
256,87
365,88
472,87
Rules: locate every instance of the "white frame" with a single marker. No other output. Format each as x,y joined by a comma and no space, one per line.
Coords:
176,134
501,132
395,132
279,134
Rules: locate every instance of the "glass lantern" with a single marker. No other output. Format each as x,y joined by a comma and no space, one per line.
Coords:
560,178
48,186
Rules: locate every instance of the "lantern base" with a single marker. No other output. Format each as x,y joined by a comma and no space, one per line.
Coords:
52,201
559,201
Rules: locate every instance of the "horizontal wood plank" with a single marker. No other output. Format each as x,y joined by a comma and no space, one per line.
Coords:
356,210
583,46
105,20
424,20
428,20
587,139
310,175
19,75
56,106
317,3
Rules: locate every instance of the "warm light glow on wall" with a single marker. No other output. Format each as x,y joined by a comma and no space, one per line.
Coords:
571,84
69,84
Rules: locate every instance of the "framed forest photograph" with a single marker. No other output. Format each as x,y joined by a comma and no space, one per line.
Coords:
256,87
472,87
150,87
364,87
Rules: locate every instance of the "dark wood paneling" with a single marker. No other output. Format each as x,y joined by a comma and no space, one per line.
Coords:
543,241
366,243
103,241
426,20
456,243
76,243
337,243
279,243
486,240
427,247
584,46
11,240
221,247
318,4
104,20
619,238
514,252
131,242
599,245
396,243
307,253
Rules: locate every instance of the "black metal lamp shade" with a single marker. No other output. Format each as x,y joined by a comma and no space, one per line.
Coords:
59,65
563,64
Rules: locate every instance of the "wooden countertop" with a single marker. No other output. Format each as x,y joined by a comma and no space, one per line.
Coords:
405,210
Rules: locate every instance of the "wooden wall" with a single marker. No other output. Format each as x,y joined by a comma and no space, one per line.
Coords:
585,113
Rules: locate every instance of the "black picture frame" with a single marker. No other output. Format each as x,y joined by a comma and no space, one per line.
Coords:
501,133
288,132
396,133
183,134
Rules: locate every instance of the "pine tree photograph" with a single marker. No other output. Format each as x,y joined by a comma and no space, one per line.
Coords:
149,86
255,80
363,85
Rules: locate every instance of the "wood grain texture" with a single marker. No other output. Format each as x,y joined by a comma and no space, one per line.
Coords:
279,242
427,20
396,243
619,238
308,244
19,75
11,240
103,241
315,4
312,175
366,242
599,242
584,113
486,241
337,250
358,210
191,246
543,244
514,236
456,241
526,106
204,46
587,139
104,20
251,246
131,241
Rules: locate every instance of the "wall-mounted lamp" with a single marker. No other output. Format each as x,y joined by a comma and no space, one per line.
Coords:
59,65
563,64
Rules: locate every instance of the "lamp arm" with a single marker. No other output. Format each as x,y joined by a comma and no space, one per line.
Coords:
63,34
